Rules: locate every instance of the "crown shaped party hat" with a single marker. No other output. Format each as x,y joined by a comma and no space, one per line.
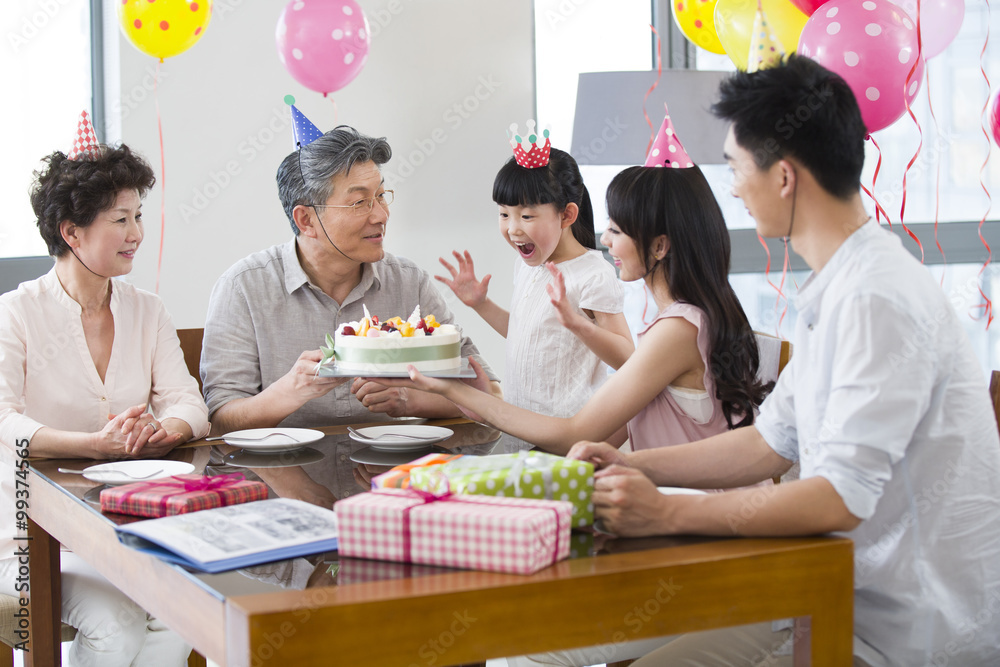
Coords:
530,155
667,150
765,49
302,128
85,144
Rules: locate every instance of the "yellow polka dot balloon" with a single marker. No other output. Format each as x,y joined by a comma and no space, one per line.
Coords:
696,19
164,28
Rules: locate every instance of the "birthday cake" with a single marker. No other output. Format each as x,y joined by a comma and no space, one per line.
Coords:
394,344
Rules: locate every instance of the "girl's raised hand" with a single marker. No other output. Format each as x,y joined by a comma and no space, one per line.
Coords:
557,295
463,281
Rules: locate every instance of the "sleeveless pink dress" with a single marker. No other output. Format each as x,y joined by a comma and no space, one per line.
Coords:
663,422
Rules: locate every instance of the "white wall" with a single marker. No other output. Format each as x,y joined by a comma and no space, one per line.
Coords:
226,128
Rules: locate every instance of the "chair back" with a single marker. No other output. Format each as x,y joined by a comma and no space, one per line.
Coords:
775,353
191,347
995,394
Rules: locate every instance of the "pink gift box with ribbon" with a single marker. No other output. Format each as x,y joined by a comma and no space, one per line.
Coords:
181,494
514,535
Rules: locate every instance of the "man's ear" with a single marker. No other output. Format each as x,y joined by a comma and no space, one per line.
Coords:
70,233
788,176
303,218
569,215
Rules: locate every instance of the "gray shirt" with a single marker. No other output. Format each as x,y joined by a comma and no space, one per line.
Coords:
264,312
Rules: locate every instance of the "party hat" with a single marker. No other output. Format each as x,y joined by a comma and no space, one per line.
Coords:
85,144
765,49
303,129
667,150
533,156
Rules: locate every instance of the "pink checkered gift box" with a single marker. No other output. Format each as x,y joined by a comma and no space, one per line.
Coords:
515,535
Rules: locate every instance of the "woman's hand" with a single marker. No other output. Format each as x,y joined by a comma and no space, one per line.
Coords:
567,315
601,454
463,281
442,387
134,434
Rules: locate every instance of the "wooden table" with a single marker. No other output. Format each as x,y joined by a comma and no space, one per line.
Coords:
632,589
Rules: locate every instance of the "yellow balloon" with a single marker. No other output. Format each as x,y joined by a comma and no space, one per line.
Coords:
734,24
164,28
696,19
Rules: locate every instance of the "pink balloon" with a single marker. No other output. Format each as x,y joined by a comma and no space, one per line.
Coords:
940,21
872,44
808,6
995,118
323,43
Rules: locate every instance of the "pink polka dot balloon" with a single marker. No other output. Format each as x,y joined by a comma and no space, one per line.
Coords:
323,43
872,44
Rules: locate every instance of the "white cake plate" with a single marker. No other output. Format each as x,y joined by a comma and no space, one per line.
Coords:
463,371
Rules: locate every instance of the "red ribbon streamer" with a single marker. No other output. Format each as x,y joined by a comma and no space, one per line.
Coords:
871,193
659,73
163,176
920,132
987,305
777,288
937,177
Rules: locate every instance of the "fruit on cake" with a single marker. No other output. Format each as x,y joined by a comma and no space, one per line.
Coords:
390,346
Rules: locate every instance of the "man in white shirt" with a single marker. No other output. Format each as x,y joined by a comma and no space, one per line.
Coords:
884,403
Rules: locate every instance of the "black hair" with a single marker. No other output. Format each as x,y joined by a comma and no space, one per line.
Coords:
802,110
306,174
558,183
78,190
646,202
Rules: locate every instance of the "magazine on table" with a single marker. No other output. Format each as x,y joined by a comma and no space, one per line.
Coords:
228,538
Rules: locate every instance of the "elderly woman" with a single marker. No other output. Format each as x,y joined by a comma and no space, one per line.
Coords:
90,367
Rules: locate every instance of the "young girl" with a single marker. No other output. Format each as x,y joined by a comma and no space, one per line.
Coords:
560,333
694,373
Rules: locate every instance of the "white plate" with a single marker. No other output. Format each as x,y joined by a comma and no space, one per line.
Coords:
376,457
423,436
104,473
464,370
273,439
679,491
242,458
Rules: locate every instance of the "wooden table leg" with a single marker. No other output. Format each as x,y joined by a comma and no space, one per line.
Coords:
45,599
802,645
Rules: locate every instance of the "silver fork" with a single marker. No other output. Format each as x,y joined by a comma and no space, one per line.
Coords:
250,439
105,472
365,436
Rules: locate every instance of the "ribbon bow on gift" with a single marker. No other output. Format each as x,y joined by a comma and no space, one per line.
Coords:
183,485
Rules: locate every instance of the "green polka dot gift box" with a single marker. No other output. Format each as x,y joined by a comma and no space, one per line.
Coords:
521,475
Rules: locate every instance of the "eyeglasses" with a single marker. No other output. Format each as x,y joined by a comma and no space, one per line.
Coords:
362,206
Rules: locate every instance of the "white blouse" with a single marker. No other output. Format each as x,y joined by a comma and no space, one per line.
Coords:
48,377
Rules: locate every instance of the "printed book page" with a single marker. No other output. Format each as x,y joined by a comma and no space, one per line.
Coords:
226,533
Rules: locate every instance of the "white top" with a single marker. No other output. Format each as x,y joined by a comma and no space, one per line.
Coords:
885,399
696,403
549,369
48,377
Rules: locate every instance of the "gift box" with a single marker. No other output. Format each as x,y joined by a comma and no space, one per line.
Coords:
513,535
399,476
181,494
521,475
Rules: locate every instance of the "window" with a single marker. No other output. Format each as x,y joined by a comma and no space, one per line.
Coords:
46,67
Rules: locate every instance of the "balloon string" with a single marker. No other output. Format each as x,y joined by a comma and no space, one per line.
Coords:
781,289
163,176
646,294
659,73
776,288
920,133
986,306
871,193
334,103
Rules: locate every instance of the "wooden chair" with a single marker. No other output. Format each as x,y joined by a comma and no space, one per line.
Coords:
191,347
995,394
775,353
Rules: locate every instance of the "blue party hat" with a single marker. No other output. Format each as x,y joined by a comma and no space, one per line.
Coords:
305,132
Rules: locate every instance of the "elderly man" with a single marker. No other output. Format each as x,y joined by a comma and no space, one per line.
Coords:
272,305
